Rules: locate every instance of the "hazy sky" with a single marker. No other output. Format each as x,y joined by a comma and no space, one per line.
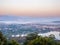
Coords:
30,7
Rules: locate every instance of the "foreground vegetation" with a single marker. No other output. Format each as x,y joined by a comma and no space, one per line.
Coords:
31,39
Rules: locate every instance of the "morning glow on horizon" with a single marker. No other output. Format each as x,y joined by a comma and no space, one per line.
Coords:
30,7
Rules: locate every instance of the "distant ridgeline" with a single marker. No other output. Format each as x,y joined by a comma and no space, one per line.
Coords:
56,21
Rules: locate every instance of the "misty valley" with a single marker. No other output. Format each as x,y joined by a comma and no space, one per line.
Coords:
16,30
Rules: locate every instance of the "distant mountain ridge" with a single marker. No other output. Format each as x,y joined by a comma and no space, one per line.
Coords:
10,18
56,21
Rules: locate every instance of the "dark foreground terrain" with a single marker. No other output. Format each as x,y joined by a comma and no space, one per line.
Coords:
30,39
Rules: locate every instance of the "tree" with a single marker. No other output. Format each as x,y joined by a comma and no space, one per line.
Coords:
34,39
30,37
52,36
4,41
13,42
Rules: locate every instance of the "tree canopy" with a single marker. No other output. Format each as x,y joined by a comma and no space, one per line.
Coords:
31,39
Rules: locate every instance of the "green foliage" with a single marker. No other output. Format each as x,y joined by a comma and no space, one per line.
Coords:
13,42
31,39
4,41
52,36
34,39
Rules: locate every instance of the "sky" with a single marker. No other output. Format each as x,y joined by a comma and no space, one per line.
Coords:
40,8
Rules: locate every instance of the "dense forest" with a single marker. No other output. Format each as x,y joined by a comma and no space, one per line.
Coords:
31,39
